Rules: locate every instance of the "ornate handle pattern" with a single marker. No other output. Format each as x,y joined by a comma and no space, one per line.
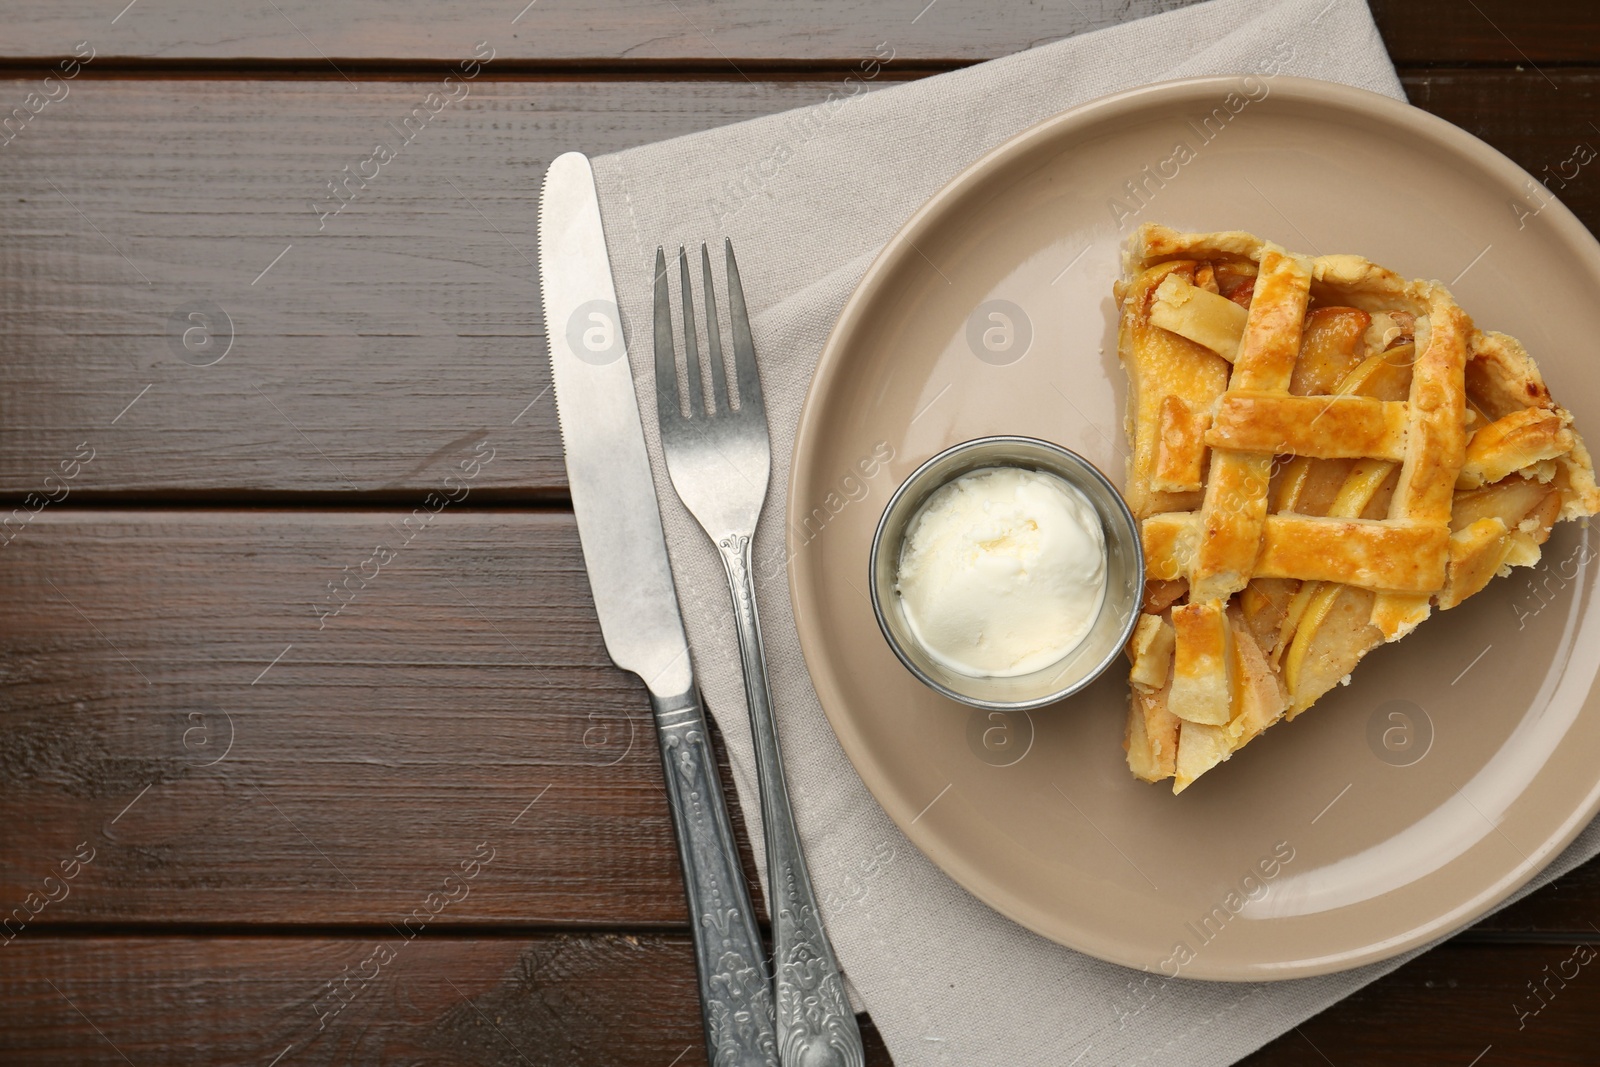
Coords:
816,1027
735,992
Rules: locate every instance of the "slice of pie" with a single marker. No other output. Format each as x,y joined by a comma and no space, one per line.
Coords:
1323,452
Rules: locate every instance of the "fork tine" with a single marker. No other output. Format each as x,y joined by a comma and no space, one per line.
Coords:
691,347
666,358
744,346
719,377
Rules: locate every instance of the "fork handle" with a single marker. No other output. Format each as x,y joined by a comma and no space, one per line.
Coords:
735,993
816,1027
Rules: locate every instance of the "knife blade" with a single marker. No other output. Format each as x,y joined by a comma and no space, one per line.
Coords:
625,555
608,468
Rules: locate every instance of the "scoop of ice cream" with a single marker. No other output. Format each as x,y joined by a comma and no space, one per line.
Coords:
1002,572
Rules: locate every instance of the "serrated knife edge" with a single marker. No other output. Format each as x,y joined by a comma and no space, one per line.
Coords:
608,466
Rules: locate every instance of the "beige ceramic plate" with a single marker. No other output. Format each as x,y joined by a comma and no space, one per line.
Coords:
1456,763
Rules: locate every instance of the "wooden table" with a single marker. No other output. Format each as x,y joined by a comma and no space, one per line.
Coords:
302,765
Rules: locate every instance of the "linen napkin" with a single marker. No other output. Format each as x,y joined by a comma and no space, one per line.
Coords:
809,197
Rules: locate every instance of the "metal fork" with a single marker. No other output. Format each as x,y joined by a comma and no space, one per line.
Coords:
720,458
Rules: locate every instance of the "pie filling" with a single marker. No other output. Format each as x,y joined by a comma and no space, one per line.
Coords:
1323,453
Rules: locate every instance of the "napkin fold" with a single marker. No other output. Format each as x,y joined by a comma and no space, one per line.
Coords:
809,197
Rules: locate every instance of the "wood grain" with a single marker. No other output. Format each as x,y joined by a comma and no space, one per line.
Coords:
387,749
168,698
1458,1006
1535,118
368,353
622,1000
565,1000
363,355
178,694
693,31
1509,32
754,33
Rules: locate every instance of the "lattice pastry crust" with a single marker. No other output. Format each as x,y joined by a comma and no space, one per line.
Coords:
1323,452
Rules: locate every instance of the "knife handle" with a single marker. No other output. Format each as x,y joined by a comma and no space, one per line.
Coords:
735,987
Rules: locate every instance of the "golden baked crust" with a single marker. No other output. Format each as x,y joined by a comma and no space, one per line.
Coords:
1323,452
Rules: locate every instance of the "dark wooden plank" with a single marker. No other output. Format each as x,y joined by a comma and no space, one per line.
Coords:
628,1001
1489,31
1456,1006
386,744
369,353
597,1001
372,759
1539,122
593,1001
749,32
604,30
169,702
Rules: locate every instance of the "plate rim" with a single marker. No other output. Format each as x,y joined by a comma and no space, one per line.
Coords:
1354,102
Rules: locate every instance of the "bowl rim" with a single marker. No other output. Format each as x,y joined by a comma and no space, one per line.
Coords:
1128,533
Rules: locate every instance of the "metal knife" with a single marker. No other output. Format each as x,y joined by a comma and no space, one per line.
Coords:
625,553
